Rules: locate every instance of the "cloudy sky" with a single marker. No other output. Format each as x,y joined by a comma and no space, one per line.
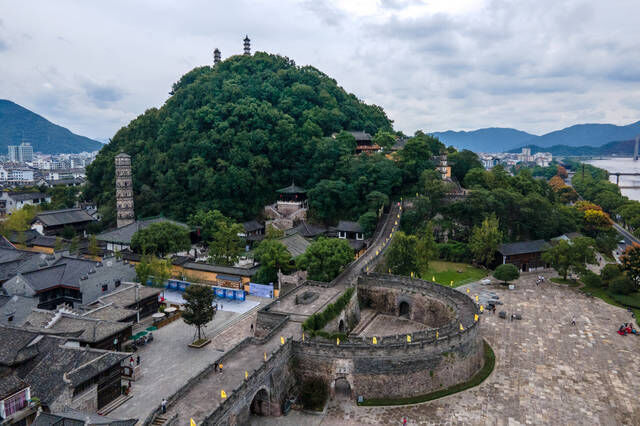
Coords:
536,65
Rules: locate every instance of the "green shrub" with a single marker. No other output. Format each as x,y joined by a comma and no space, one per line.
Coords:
591,279
455,251
622,285
318,320
314,394
630,300
609,272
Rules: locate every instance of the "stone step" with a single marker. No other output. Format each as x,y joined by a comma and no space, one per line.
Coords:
159,420
365,320
114,404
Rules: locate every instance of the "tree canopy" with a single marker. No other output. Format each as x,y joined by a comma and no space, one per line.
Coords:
506,272
161,238
325,258
231,134
198,309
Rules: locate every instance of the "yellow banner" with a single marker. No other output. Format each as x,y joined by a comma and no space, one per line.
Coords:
375,341
281,340
193,422
223,394
408,338
475,317
461,327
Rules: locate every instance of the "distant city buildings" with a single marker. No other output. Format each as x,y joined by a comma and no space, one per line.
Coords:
22,153
490,160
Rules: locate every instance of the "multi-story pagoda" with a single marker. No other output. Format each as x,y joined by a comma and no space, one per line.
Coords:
124,190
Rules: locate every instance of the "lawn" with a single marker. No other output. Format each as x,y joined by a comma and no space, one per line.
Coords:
570,283
603,294
445,272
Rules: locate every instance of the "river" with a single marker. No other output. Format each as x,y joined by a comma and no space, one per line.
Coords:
622,165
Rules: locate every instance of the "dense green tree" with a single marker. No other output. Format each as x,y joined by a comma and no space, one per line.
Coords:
385,139
226,245
230,135
161,238
198,309
401,256
426,248
368,221
93,248
377,200
463,161
20,220
325,258
154,269
273,257
485,240
506,272
622,284
208,222
572,256
630,261
609,272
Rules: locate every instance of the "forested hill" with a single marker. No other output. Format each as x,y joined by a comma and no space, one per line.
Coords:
18,124
231,134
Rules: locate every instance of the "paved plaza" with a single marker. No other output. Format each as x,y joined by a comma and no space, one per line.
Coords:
388,325
168,362
548,371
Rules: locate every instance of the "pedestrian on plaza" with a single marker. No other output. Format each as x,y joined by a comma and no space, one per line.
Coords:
221,306
573,321
215,367
164,405
131,362
404,421
252,327
138,360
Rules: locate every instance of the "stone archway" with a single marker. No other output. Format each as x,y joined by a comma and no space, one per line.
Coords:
341,326
404,309
342,388
260,403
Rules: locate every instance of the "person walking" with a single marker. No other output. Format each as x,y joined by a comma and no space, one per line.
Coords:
164,405
138,360
404,421
573,321
215,367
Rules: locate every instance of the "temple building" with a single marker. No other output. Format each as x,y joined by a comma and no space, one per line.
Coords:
364,143
443,167
290,208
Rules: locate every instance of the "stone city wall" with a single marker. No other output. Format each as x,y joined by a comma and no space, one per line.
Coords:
275,376
350,317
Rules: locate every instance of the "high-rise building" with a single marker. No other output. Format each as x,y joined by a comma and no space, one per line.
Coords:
22,153
124,190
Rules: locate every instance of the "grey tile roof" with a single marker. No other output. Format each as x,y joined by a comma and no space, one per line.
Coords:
124,234
43,241
24,196
96,366
292,189
85,329
19,237
296,244
252,225
63,217
10,384
15,348
523,247
361,136
109,313
308,230
17,308
5,244
348,226
126,295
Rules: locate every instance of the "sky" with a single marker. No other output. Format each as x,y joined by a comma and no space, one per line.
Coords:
535,65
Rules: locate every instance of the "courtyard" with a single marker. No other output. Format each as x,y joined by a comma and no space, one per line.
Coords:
547,371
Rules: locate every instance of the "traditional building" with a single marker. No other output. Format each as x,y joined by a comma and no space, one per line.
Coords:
525,255
53,222
443,167
12,201
120,239
124,190
216,56
247,45
289,209
364,143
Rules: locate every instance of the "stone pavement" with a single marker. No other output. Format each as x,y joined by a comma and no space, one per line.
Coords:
204,397
388,325
547,372
168,362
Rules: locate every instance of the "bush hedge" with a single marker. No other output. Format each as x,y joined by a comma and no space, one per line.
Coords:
316,322
455,251
630,300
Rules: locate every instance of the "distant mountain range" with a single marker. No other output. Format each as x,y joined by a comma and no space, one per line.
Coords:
618,149
18,124
497,139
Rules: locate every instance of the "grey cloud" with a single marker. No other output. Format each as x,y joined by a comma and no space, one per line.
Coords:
3,45
327,13
102,95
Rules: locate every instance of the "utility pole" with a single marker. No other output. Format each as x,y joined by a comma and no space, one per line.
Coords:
138,301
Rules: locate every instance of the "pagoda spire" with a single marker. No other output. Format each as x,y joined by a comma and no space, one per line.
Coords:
247,45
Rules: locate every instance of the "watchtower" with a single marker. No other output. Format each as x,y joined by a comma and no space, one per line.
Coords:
124,190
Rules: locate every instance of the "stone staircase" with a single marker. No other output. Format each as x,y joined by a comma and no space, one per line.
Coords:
160,420
366,316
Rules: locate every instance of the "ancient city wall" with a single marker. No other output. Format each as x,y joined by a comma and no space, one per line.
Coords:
394,368
274,376
349,316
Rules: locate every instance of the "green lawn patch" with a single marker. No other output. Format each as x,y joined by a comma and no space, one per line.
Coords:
615,299
460,273
631,300
570,283
480,376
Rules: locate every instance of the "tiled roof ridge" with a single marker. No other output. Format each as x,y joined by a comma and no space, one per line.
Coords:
46,212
